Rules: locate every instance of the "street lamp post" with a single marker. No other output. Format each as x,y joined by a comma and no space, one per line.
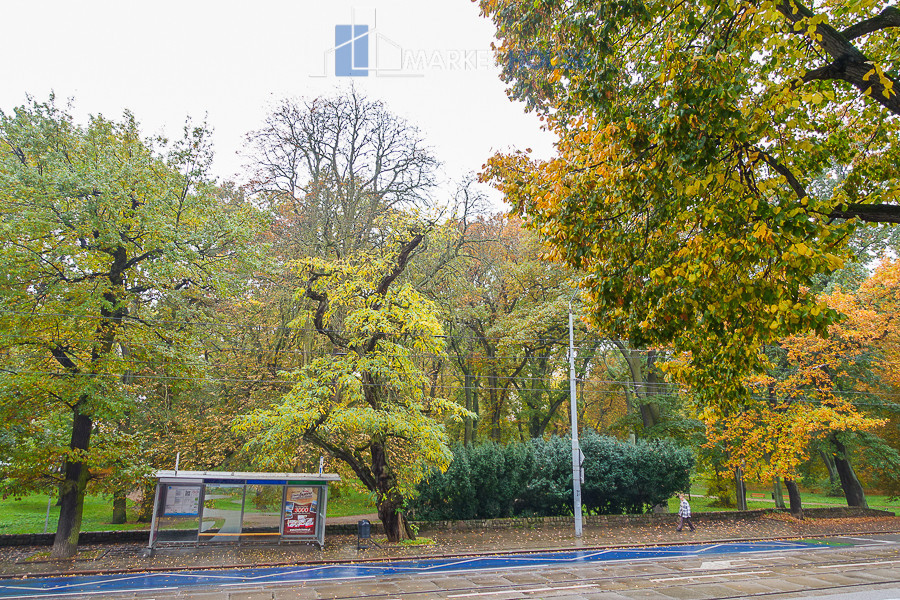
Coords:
576,449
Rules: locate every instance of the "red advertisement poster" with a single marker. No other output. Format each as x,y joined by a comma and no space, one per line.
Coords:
300,510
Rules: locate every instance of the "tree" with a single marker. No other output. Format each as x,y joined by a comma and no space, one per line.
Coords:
880,294
326,169
109,249
443,275
475,296
331,166
689,135
505,309
366,404
853,371
829,395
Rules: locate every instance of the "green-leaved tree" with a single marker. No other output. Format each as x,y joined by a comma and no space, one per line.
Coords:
366,404
109,251
690,137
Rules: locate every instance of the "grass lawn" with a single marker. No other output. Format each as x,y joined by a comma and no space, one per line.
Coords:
351,503
27,515
763,499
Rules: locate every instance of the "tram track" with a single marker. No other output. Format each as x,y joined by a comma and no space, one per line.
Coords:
808,571
436,556
729,576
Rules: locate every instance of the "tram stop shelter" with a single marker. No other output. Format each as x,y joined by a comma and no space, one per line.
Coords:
210,507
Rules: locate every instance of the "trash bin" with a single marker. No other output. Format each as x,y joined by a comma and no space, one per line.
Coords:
364,534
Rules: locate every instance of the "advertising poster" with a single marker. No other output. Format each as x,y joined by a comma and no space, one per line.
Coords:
182,501
300,510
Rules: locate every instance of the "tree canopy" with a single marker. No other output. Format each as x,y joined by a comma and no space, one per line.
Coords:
110,250
138,319
332,165
367,403
690,137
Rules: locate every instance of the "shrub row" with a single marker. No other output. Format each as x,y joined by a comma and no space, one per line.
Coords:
490,481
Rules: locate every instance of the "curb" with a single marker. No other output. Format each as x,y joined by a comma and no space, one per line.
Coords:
143,535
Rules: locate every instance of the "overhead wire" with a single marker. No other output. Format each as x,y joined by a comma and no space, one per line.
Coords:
604,346
563,337
623,385
510,360
478,377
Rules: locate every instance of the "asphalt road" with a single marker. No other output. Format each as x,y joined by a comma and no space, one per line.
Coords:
852,568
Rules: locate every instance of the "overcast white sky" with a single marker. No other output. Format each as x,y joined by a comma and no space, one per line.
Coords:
166,60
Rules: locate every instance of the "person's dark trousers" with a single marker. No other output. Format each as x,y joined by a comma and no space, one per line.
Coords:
682,521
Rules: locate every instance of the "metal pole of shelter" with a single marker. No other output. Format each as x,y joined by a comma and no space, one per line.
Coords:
576,448
153,533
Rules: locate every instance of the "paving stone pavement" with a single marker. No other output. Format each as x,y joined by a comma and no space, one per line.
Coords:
33,561
803,573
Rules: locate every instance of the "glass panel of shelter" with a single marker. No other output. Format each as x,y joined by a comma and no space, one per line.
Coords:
178,518
223,510
262,512
223,505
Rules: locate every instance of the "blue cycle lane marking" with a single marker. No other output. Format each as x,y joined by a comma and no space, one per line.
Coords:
106,584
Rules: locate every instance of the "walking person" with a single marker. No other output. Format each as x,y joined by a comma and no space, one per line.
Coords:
684,514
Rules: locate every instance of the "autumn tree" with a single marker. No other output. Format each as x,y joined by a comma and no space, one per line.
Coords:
881,294
330,166
689,135
506,311
366,403
110,246
827,395
325,169
853,372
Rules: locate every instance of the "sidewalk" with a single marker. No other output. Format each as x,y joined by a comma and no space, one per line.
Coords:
25,561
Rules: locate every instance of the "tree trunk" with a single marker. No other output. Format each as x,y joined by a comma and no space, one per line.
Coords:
389,513
650,411
407,528
148,496
468,437
119,508
388,499
794,498
535,430
644,387
834,479
777,493
740,490
496,408
649,414
71,500
853,489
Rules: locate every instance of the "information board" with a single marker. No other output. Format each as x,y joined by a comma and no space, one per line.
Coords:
182,501
301,506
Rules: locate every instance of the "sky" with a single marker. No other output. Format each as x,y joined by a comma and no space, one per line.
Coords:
229,62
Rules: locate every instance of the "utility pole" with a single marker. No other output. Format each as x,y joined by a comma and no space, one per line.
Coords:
576,448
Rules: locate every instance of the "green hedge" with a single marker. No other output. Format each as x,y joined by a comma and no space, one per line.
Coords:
482,482
489,480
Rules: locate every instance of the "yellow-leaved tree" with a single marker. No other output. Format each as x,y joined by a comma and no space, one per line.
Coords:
827,394
368,403
691,140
